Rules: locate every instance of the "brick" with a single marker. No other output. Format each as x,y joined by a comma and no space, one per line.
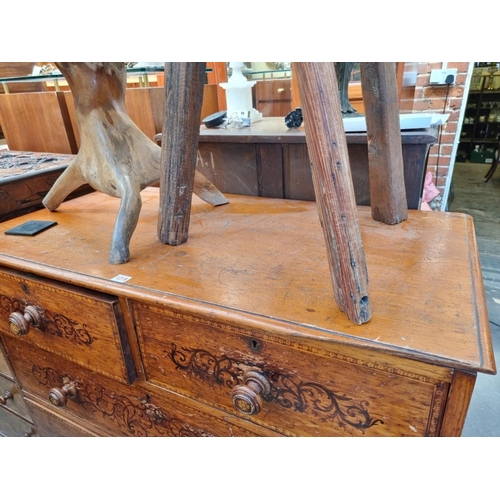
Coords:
423,105
419,93
460,66
448,138
443,169
436,105
444,162
455,102
423,80
450,127
423,67
442,91
435,65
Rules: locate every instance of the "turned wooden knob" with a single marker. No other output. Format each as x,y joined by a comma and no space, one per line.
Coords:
59,397
247,398
19,323
6,395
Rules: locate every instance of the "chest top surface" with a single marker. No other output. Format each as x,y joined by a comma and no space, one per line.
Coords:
262,262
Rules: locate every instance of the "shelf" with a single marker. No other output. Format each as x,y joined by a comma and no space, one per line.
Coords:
481,103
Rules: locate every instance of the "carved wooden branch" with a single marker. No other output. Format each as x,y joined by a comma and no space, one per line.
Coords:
115,156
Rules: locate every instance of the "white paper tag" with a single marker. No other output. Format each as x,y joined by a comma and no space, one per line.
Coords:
121,278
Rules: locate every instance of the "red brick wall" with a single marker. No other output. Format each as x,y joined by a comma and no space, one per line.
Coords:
431,99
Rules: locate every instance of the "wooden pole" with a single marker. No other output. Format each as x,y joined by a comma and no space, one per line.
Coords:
333,188
183,100
385,156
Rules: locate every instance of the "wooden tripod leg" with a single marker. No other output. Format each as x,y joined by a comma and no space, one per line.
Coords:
327,147
181,124
385,154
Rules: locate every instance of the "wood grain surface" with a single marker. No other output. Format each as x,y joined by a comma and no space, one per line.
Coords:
243,263
332,180
117,409
385,155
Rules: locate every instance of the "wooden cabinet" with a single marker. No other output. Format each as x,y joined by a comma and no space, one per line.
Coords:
269,159
273,97
236,332
15,420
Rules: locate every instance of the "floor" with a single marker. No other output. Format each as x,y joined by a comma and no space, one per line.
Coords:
473,196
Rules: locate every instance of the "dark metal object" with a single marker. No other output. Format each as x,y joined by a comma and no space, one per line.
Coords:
294,119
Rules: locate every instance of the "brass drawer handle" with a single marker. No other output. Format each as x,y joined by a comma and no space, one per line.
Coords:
19,323
59,397
247,398
280,90
6,396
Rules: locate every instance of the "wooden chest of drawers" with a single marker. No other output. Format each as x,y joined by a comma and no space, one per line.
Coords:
236,332
15,418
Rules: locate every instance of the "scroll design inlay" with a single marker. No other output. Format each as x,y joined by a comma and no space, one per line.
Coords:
138,417
61,326
54,324
9,305
302,347
286,390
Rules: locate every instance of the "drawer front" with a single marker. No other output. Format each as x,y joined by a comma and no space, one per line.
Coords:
306,391
12,425
273,98
50,424
4,365
117,409
11,398
86,327
277,90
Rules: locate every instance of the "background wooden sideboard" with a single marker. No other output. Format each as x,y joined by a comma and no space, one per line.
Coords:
269,159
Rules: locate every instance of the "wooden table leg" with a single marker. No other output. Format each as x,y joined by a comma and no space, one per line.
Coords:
184,83
333,187
385,154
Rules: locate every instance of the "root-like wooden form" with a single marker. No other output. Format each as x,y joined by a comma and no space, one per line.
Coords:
115,156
